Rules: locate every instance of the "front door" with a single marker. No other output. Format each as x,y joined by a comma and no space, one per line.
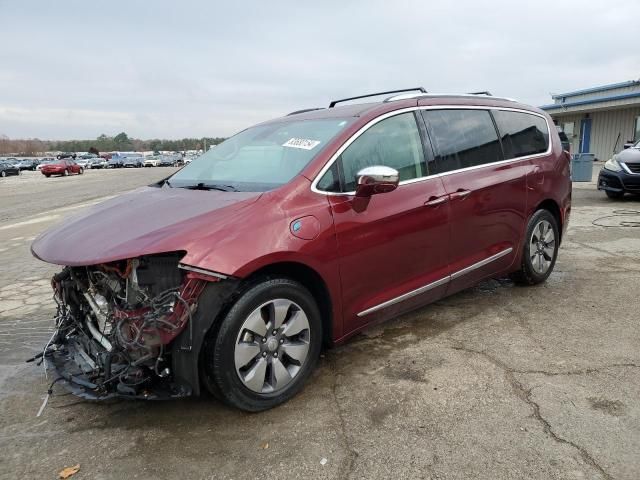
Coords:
487,199
393,246
585,135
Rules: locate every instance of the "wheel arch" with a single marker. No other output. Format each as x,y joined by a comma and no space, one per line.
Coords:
552,206
311,280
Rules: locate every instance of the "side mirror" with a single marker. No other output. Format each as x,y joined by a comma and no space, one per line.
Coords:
376,179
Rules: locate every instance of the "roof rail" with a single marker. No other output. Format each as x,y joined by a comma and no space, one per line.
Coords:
305,110
435,95
485,92
334,102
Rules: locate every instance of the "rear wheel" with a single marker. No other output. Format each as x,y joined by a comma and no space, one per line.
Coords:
65,173
266,346
47,175
3,173
540,249
614,195
81,171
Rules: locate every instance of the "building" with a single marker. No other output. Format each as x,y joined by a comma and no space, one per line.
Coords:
599,120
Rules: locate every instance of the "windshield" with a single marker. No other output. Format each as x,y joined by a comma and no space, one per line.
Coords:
260,158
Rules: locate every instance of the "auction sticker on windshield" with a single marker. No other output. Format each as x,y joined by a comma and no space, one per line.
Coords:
303,143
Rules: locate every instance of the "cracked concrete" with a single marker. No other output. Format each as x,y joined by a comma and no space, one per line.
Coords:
497,382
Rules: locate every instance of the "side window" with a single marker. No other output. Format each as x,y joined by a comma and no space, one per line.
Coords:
462,138
393,142
522,133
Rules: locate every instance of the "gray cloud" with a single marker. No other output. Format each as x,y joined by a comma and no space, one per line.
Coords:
76,69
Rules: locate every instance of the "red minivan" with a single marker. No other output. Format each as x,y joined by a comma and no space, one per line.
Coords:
232,273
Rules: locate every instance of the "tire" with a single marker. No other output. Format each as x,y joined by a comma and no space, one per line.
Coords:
263,356
65,173
537,266
614,195
47,175
81,171
3,173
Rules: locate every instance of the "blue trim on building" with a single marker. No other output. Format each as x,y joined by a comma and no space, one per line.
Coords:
603,88
560,106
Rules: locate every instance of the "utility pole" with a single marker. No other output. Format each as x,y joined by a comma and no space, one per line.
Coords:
205,145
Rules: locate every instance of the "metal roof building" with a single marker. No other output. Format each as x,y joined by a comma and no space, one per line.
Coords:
599,120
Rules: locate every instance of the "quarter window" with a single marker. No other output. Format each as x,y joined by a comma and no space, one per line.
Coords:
394,142
522,133
462,138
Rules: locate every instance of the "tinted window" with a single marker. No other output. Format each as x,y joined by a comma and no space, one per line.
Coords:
393,142
462,138
522,133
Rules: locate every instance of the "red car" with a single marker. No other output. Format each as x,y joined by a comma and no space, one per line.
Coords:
62,167
233,272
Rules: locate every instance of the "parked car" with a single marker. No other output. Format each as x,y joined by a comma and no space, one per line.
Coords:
45,161
151,161
28,164
62,156
115,162
7,169
133,162
299,232
85,161
98,162
167,161
62,167
621,174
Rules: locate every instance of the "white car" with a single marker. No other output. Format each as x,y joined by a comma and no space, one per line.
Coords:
151,162
85,161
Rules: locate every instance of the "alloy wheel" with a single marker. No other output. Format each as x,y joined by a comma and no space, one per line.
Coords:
272,346
542,246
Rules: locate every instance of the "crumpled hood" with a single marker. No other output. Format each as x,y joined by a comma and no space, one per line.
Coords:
630,155
142,222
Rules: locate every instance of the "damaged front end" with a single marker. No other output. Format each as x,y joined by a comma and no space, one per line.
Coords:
126,329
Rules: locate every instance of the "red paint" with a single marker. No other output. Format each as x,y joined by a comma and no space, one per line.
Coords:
366,250
60,167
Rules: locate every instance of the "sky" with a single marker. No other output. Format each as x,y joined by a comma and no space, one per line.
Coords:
171,69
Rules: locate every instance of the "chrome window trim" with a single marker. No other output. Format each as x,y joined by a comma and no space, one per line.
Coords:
437,283
202,270
400,111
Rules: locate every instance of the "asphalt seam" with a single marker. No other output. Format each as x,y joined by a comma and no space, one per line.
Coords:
353,455
525,395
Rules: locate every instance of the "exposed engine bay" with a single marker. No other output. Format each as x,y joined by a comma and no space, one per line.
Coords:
116,324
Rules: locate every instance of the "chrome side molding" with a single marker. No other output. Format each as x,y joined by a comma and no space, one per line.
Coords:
202,270
437,283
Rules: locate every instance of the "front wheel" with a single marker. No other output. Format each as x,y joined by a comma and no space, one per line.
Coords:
266,346
81,171
3,173
65,173
540,249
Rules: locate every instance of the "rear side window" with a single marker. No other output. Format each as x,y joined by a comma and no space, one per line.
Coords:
393,142
462,138
522,133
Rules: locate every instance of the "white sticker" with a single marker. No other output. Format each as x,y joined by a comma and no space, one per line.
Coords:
303,143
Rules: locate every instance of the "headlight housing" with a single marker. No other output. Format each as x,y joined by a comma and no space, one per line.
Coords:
613,165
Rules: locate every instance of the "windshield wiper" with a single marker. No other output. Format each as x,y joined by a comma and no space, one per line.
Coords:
210,186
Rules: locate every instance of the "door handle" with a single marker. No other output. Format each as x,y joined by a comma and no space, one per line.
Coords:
435,201
459,194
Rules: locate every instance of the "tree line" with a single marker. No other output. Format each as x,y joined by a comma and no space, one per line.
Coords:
120,142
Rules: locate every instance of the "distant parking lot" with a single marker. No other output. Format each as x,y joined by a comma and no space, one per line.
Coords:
497,382
31,192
